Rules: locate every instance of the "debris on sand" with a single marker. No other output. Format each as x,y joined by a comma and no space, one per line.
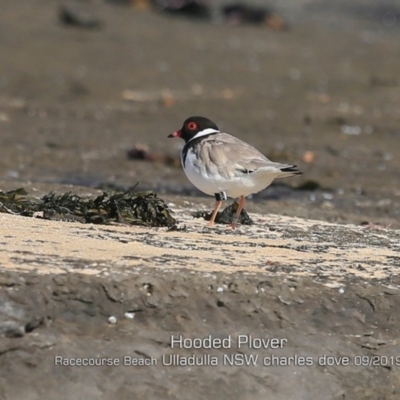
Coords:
77,18
143,152
226,216
238,13
309,185
164,97
231,13
169,98
308,156
139,4
133,208
188,8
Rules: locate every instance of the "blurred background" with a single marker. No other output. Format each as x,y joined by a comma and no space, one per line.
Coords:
90,89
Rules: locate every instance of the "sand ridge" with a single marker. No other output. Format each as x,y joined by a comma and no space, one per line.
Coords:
275,245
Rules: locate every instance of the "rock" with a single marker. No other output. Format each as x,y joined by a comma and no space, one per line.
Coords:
298,283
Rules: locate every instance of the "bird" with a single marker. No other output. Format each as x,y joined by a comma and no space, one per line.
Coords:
222,165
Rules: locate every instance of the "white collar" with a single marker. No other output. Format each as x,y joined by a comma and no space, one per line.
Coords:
204,132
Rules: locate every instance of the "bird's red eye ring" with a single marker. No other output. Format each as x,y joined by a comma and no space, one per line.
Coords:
192,126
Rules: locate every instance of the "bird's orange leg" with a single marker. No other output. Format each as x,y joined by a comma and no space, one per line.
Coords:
214,214
219,198
242,202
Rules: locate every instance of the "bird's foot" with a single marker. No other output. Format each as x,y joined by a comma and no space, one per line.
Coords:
234,222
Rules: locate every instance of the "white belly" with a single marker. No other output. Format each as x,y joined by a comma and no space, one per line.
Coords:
235,187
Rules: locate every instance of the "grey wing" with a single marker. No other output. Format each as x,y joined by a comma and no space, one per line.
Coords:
231,157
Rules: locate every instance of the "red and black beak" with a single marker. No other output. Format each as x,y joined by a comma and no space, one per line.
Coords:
175,134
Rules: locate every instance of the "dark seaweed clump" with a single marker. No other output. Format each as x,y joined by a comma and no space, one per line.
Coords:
134,208
226,216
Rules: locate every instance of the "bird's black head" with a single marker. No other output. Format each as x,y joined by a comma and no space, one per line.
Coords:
195,126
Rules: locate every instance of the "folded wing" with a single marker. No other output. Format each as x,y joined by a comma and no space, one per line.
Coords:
230,157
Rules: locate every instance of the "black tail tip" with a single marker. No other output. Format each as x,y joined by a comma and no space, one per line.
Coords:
293,169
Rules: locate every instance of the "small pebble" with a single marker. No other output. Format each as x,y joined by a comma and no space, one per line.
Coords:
327,196
327,205
129,315
4,117
351,130
112,320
